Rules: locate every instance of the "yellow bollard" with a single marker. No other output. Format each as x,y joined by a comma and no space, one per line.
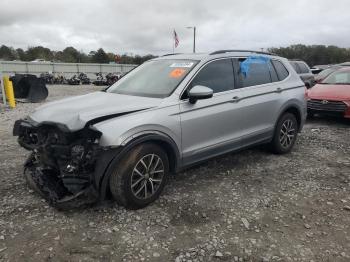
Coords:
10,95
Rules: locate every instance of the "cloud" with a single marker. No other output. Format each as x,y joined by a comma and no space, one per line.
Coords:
141,26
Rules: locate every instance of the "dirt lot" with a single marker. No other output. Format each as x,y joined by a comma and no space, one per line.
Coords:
246,206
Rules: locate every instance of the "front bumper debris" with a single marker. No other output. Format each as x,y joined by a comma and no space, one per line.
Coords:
61,166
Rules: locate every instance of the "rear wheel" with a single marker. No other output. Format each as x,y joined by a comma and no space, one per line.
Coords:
140,177
285,134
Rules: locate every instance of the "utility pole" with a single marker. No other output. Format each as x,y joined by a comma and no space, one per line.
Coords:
194,37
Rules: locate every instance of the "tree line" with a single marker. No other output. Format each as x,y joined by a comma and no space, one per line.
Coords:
68,55
314,54
311,54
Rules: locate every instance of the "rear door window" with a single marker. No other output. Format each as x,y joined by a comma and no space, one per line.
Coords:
258,74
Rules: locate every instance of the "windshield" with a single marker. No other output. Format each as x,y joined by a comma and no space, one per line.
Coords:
338,78
156,78
324,73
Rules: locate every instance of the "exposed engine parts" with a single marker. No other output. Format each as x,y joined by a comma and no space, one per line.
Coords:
62,163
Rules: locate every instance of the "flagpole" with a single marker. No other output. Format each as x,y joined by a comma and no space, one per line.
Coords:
173,41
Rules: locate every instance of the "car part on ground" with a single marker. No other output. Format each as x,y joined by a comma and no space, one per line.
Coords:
29,87
100,81
332,95
111,78
166,115
48,78
59,79
84,79
74,80
304,71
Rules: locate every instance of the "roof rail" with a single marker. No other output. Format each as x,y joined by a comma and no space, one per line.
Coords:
172,54
250,51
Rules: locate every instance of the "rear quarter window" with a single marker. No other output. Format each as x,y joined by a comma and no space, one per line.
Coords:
296,67
281,70
304,69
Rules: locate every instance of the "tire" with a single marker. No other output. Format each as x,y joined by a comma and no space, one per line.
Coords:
281,142
137,189
310,114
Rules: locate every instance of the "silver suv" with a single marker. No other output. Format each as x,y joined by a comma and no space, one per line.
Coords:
167,114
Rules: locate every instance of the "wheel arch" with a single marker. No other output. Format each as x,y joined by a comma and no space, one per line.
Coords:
158,138
296,111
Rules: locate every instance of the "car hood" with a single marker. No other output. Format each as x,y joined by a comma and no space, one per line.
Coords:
75,112
336,92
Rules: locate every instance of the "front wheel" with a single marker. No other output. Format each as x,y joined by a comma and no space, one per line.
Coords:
140,177
310,114
285,134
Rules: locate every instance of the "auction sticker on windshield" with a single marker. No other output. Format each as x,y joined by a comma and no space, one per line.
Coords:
183,64
176,73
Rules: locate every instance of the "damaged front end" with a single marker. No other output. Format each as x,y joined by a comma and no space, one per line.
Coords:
62,163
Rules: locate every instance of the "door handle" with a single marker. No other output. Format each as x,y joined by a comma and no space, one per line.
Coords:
278,90
235,99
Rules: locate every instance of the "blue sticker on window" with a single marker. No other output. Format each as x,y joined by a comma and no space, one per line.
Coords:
245,65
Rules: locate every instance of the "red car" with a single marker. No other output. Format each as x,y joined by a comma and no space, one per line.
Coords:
331,95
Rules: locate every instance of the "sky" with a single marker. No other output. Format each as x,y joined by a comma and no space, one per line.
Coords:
146,27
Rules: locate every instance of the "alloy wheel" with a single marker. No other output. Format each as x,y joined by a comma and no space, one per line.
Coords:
287,133
147,176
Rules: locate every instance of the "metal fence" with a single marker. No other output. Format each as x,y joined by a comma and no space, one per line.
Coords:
65,69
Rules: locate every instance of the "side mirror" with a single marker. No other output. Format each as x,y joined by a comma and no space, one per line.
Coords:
199,92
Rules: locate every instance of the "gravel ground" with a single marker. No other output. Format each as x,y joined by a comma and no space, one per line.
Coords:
246,206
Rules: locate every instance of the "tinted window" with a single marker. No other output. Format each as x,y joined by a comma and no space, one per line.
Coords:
258,74
303,68
273,73
282,72
296,67
217,75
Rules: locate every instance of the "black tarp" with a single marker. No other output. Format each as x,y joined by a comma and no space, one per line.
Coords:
29,87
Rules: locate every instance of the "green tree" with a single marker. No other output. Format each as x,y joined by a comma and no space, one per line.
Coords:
21,54
100,57
39,52
70,55
7,53
314,54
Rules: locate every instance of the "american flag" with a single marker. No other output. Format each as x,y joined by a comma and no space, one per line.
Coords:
176,39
